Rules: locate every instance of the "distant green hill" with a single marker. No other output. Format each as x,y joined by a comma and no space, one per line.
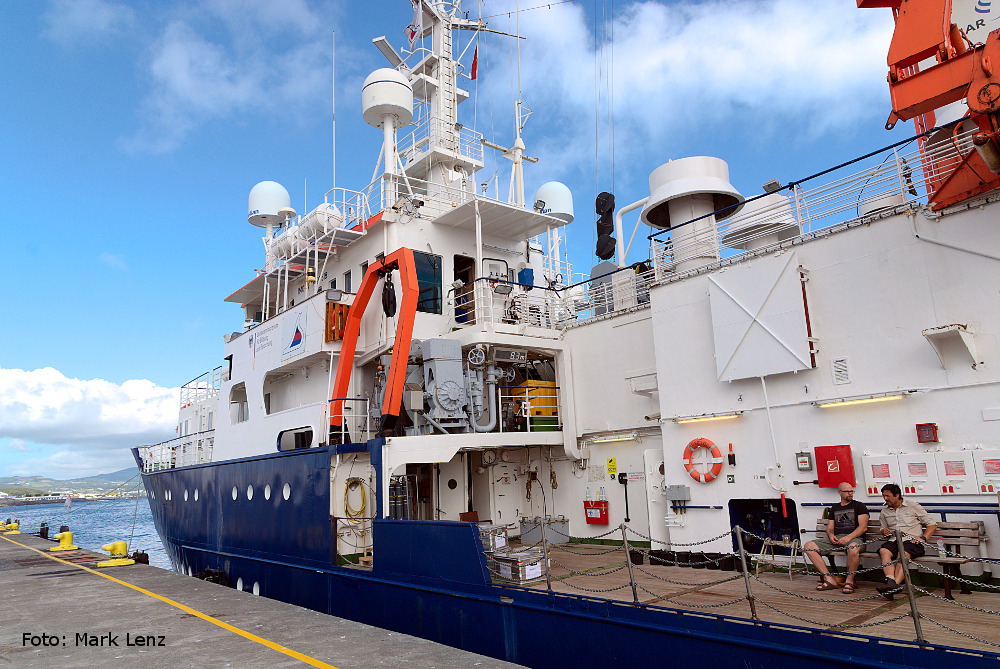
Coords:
87,484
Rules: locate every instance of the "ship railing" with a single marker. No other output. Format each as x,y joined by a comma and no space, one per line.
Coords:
192,449
433,132
355,419
631,571
202,388
353,207
532,406
860,191
498,301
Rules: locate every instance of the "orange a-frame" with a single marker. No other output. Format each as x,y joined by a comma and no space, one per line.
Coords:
402,260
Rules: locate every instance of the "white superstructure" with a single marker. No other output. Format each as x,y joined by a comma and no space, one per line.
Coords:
842,313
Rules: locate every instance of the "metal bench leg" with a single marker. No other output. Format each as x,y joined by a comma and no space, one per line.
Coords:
946,568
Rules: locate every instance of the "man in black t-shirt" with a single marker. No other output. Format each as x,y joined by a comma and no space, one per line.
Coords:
845,529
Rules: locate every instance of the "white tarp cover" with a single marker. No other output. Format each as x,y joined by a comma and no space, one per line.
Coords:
758,319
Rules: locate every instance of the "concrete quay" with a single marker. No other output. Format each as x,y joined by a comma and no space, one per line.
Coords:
58,610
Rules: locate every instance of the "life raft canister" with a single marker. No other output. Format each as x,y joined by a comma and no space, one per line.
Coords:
713,473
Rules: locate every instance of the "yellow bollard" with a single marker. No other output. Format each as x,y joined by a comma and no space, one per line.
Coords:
12,528
65,542
119,555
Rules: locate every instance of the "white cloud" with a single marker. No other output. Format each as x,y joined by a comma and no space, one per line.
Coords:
80,22
45,407
68,464
17,445
683,69
267,57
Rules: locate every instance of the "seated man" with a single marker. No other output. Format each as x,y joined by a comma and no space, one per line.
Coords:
845,529
911,519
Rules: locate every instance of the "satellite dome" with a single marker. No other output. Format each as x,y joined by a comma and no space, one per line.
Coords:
268,204
387,92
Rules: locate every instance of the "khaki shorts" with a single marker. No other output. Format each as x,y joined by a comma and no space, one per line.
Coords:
825,545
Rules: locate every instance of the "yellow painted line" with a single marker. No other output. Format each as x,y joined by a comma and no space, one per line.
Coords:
187,609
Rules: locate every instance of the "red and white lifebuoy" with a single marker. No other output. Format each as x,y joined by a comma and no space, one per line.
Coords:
716,461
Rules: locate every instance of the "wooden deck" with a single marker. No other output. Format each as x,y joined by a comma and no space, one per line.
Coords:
600,571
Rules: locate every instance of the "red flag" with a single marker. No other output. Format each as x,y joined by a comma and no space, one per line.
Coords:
475,63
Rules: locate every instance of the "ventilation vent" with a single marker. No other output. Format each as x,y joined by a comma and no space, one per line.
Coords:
841,371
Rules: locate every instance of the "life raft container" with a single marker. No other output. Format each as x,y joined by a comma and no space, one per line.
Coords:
716,462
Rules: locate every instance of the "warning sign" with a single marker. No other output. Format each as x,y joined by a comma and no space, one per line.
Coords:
954,467
917,468
992,466
833,465
636,476
880,471
612,465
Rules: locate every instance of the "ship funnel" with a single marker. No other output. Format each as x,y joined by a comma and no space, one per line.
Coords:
555,199
760,222
268,205
687,189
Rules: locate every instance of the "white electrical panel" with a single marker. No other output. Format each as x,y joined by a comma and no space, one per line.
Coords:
956,473
918,474
879,470
987,471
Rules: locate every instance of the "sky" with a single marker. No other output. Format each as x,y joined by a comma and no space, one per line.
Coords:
134,131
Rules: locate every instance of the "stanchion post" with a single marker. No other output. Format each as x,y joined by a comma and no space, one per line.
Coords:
545,554
746,572
628,561
914,613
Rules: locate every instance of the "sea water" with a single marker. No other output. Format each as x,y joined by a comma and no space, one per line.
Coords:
96,523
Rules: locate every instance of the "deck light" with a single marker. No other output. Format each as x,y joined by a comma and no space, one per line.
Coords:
863,399
701,418
629,436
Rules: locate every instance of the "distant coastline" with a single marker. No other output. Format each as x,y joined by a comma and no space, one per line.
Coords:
10,501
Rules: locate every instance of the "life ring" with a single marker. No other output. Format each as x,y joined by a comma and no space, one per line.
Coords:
703,477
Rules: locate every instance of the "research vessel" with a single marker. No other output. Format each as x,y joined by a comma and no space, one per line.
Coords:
425,399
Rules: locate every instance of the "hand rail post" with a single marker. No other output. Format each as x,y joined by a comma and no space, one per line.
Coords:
914,613
746,572
628,562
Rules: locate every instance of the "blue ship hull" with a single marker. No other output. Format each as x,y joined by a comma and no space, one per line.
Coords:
430,580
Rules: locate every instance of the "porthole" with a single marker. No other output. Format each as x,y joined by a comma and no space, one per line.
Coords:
256,588
236,493
452,484
239,584
196,494
250,492
267,491
167,496
185,495
286,491
661,469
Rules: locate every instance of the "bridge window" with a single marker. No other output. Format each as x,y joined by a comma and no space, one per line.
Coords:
291,440
429,282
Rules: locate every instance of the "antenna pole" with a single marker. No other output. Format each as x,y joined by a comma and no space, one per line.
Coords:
333,104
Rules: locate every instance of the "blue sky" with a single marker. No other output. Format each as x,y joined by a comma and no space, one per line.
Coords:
131,133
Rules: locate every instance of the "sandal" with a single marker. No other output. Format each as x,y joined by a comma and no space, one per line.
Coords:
826,586
848,589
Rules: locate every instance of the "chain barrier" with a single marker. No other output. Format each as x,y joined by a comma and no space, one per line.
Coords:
694,606
959,579
959,633
825,600
674,543
956,602
614,549
596,536
817,623
584,573
704,585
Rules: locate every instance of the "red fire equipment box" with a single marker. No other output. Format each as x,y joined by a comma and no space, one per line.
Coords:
834,465
597,512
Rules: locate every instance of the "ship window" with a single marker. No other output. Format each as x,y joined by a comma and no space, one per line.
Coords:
364,268
291,440
347,281
239,408
429,282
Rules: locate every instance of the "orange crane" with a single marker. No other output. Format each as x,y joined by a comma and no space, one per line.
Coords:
961,70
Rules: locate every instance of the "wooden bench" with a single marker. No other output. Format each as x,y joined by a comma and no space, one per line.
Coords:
952,535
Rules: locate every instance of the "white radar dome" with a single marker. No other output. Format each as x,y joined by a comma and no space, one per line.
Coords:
555,200
386,92
268,204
